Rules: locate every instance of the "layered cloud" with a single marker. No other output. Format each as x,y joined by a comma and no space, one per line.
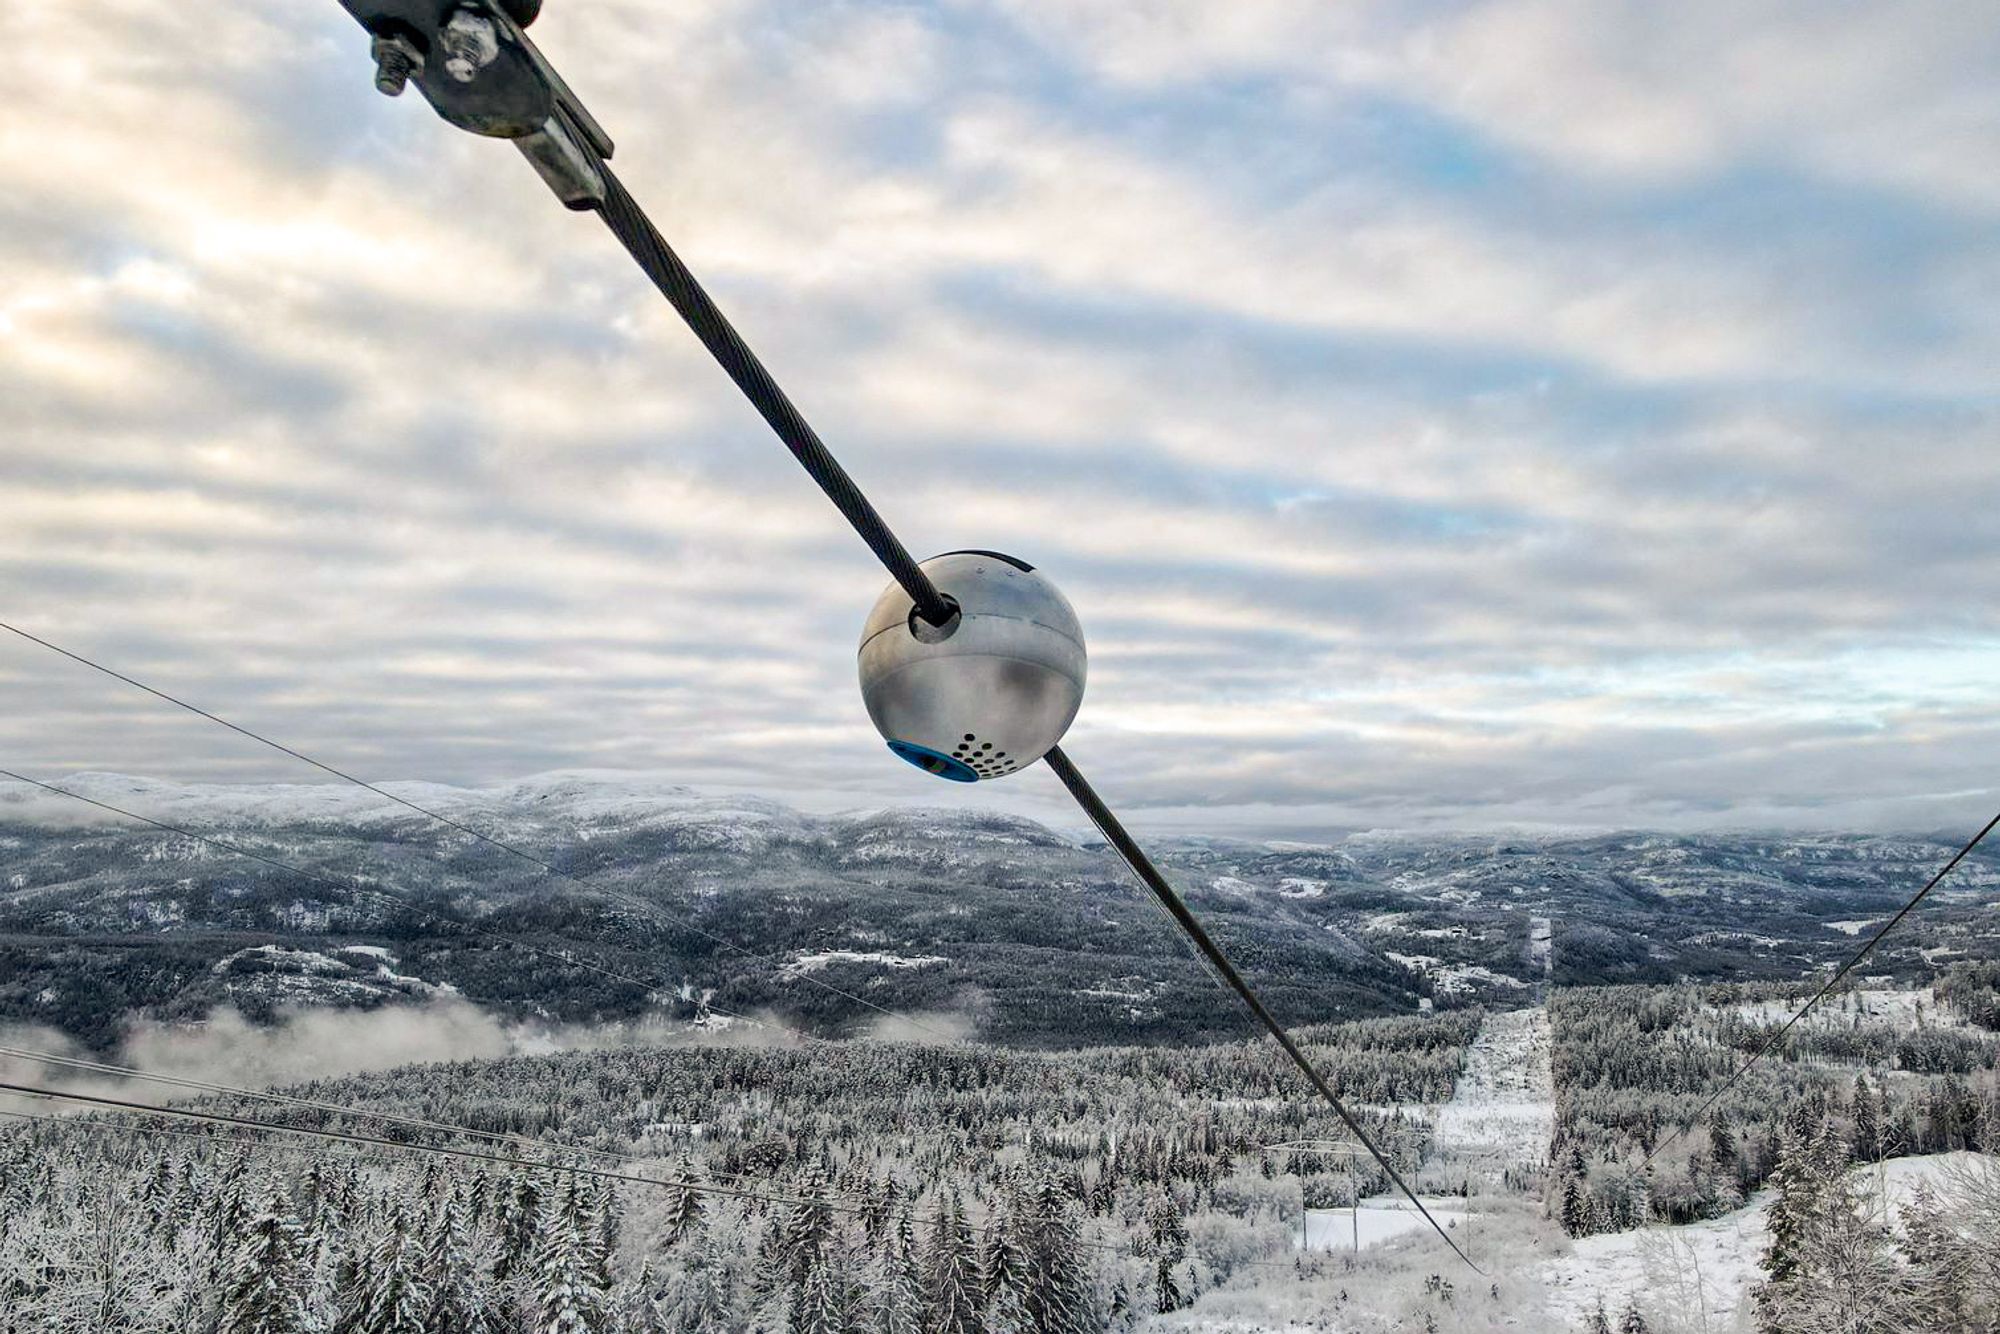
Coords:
1439,414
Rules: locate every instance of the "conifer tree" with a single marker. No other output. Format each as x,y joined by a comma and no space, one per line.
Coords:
822,1305
447,1271
388,1293
900,1302
520,1215
699,1298
802,1241
1168,1235
951,1305
1058,1290
1003,1273
228,1210
684,1207
265,1292
568,1297
607,1221
156,1196
1574,1214
639,1304
1867,1122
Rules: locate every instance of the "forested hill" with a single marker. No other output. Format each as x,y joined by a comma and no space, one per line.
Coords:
1024,931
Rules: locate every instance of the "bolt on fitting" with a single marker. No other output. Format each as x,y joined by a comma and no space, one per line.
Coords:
396,61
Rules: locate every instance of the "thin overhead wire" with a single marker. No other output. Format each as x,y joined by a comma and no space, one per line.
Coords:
1142,866
275,1097
355,887
129,1072
1770,1043
833,1200
403,1146
658,913
91,1123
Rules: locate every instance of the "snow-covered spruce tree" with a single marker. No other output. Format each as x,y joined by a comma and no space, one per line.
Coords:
1059,1289
1003,1269
1829,1267
387,1294
156,1198
520,1212
822,1306
265,1289
684,1208
607,1221
1573,1214
1867,1117
898,1306
570,1297
638,1303
951,1266
1168,1238
228,1211
803,1238
701,1296
450,1272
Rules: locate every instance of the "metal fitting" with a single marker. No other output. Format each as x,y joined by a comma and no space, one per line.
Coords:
397,60
470,44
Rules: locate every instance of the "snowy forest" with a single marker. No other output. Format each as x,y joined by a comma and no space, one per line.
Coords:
846,1187
883,1187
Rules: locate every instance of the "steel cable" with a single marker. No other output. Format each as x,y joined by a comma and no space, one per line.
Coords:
656,911
355,887
1772,1042
1142,866
629,223
401,1146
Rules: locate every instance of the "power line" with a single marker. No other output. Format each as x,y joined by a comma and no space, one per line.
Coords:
338,1109
270,1096
404,1146
1771,1042
354,886
1142,866
827,1198
199,1137
504,845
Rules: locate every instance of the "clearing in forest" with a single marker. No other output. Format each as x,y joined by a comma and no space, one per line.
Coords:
1502,1109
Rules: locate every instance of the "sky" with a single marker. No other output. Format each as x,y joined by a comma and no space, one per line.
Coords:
1440,415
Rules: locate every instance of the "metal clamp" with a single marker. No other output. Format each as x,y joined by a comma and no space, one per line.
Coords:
479,70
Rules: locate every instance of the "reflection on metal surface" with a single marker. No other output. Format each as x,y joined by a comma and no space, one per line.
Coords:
993,689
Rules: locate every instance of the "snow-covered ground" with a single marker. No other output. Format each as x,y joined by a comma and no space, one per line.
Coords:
1702,1273
1902,1008
812,963
1502,1110
1500,1116
1455,977
1378,1219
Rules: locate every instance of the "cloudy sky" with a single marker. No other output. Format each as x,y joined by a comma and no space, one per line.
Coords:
1440,414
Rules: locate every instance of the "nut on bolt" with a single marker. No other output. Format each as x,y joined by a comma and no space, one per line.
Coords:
396,60
470,44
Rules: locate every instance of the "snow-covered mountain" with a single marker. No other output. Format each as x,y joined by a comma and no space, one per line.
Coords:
1029,931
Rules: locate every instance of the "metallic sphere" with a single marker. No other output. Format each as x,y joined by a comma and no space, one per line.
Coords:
988,692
